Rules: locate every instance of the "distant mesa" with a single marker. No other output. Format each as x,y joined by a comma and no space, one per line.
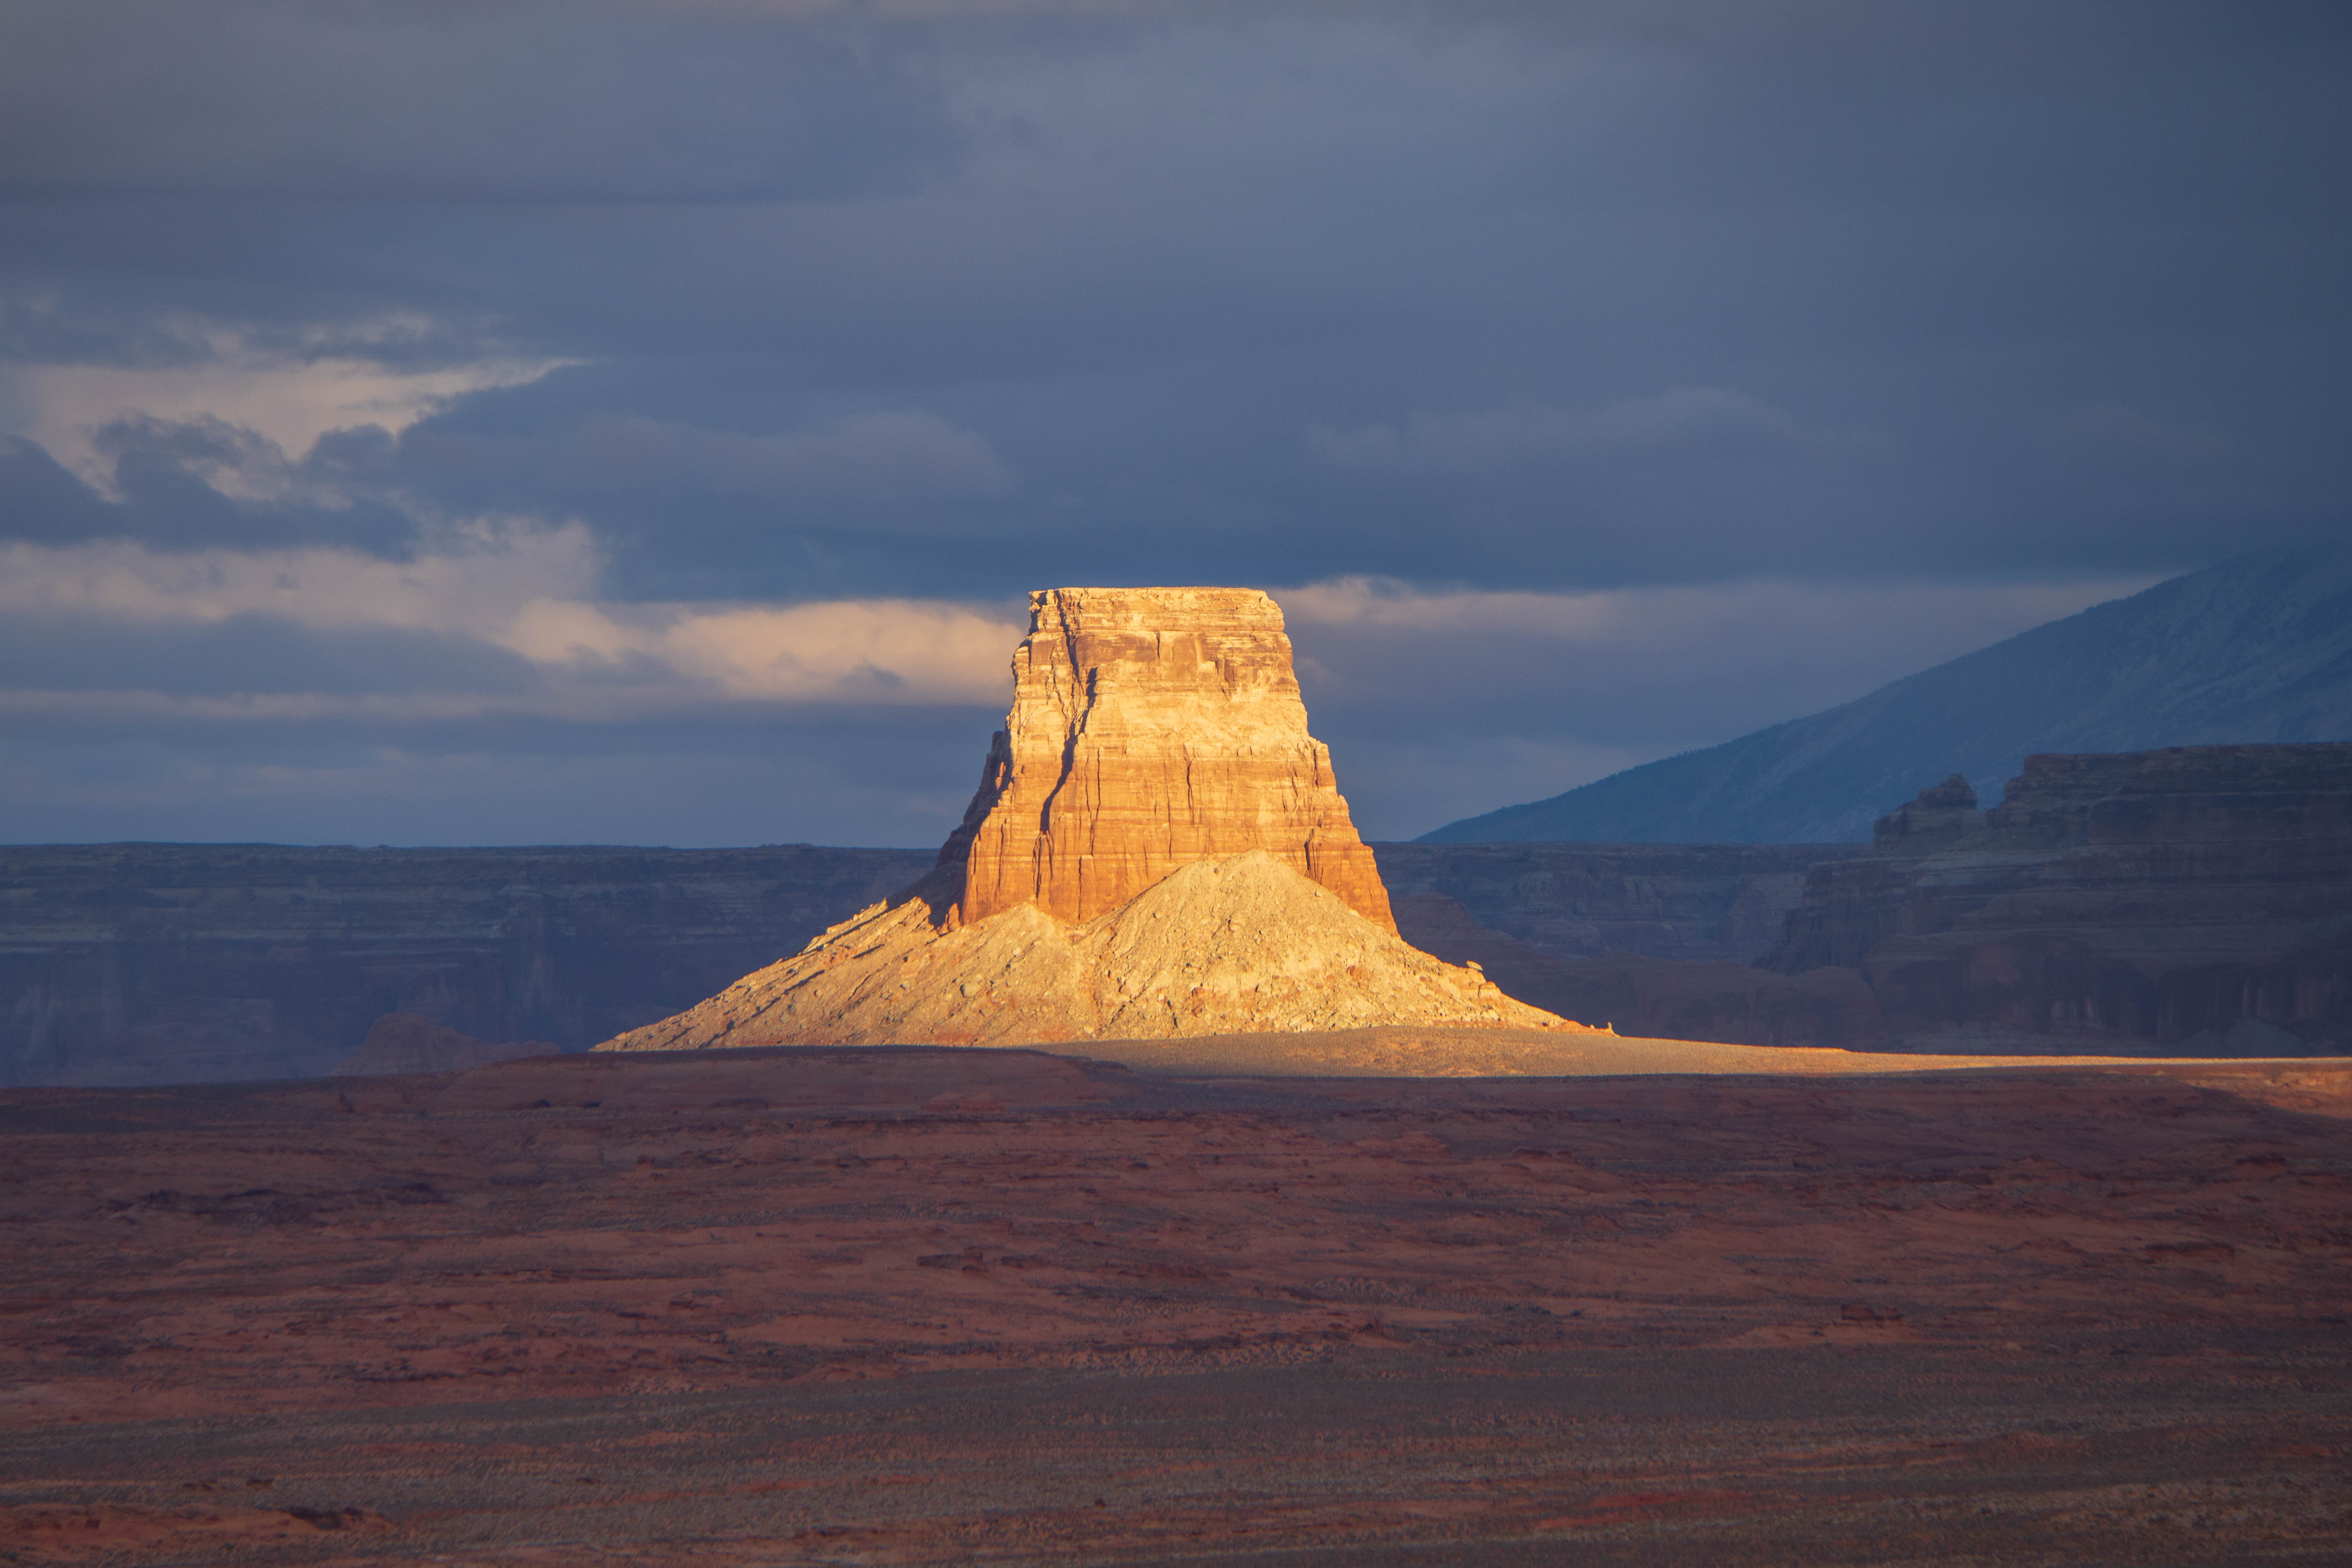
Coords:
2195,901
1158,848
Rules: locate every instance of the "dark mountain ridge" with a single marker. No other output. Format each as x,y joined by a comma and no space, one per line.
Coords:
2255,649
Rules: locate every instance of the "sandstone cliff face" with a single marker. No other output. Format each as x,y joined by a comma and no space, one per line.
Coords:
1216,947
2197,899
1152,728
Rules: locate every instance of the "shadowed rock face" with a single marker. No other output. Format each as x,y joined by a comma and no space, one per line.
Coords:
141,964
1658,997
2197,900
1152,728
1708,903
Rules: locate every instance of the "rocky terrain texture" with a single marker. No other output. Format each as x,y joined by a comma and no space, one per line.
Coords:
2255,649
2196,900
1242,943
1151,728
184,962
932,1306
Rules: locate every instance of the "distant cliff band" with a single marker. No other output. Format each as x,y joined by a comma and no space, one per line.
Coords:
2196,902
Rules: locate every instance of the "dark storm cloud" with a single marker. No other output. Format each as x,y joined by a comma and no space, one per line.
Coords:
1924,297
163,472
852,300
493,102
247,655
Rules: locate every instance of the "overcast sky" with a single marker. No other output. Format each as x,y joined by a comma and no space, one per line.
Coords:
639,420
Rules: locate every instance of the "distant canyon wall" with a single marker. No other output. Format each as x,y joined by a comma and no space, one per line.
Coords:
2191,901
1717,903
146,963
138,963
2194,900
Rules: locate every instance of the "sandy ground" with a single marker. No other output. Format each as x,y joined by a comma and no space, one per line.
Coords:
938,1305
1419,1052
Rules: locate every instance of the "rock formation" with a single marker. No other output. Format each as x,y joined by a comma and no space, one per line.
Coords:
1157,849
2196,900
1942,816
1152,728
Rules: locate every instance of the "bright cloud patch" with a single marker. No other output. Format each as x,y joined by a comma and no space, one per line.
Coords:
288,393
872,650
510,590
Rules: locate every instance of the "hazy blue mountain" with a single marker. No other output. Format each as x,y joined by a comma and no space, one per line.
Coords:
2258,648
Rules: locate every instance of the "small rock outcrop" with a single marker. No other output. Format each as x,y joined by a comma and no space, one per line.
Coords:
1158,849
1942,816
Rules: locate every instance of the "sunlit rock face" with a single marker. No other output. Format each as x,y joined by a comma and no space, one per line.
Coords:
1157,851
1152,728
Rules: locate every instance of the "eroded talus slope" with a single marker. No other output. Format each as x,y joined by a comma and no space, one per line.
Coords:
1245,943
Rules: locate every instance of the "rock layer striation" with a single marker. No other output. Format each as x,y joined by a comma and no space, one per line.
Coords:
1152,728
2196,900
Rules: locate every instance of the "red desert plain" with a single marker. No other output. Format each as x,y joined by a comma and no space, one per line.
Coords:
953,1305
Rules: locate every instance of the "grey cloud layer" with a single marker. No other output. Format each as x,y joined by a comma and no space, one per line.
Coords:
951,301
2000,291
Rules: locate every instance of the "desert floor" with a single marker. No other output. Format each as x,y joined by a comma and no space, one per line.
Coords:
932,1305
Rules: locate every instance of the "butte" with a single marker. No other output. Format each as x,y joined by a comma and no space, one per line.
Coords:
1158,849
